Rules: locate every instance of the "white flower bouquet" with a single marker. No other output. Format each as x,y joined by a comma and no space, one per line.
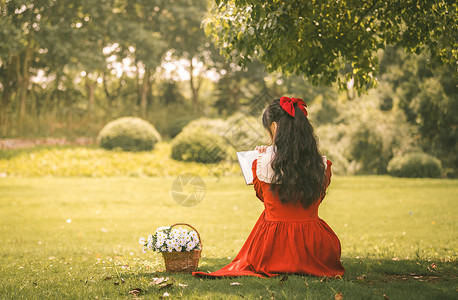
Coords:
171,239
180,247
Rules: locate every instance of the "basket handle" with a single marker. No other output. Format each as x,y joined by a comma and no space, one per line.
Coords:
186,224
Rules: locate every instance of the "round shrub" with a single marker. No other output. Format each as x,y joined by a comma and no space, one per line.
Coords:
198,145
416,164
176,126
129,134
216,126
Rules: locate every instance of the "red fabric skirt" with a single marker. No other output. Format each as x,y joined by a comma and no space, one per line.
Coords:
292,247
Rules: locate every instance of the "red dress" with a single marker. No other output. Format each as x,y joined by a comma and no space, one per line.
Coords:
286,239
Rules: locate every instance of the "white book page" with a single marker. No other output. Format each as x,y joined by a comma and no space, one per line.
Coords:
246,159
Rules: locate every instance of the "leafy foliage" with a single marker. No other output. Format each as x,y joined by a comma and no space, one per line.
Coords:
198,144
239,132
53,84
415,165
427,94
177,125
129,134
320,39
362,138
214,125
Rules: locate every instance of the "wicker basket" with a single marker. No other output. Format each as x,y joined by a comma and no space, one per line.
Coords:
182,262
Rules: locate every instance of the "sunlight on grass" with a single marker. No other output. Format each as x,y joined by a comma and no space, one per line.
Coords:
97,162
77,237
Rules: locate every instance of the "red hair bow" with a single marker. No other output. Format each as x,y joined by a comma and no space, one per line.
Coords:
288,105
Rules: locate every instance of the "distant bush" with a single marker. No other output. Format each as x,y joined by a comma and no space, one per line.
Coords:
237,133
217,126
177,125
129,134
198,144
415,165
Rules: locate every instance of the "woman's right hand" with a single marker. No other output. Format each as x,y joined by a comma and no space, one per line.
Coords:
261,149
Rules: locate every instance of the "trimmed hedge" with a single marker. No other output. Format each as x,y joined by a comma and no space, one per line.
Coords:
129,134
416,164
198,144
176,126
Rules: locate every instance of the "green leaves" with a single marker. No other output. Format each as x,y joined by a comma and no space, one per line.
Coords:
316,40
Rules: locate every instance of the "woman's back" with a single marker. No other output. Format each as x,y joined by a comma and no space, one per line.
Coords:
291,181
278,211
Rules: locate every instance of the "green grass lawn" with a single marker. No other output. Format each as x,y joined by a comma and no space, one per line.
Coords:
399,238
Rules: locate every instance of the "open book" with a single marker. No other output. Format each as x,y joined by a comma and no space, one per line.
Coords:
246,160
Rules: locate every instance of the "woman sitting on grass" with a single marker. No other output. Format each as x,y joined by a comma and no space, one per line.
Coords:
290,178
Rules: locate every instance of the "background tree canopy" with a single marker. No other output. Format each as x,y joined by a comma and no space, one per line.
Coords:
69,68
332,41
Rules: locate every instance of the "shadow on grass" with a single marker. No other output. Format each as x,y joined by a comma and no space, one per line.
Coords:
364,279
356,267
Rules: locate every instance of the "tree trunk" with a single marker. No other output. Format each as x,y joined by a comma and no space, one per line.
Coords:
237,102
6,97
195,87
23,78
90,87
113,95
144,93
69,117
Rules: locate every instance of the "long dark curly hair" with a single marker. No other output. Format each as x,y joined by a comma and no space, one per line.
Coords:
299,171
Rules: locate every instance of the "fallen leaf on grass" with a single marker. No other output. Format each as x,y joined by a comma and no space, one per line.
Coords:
159,280
165,285
108,278
236,283
182,285
283,279
136,291
165,295
361,277
117,282
338,296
